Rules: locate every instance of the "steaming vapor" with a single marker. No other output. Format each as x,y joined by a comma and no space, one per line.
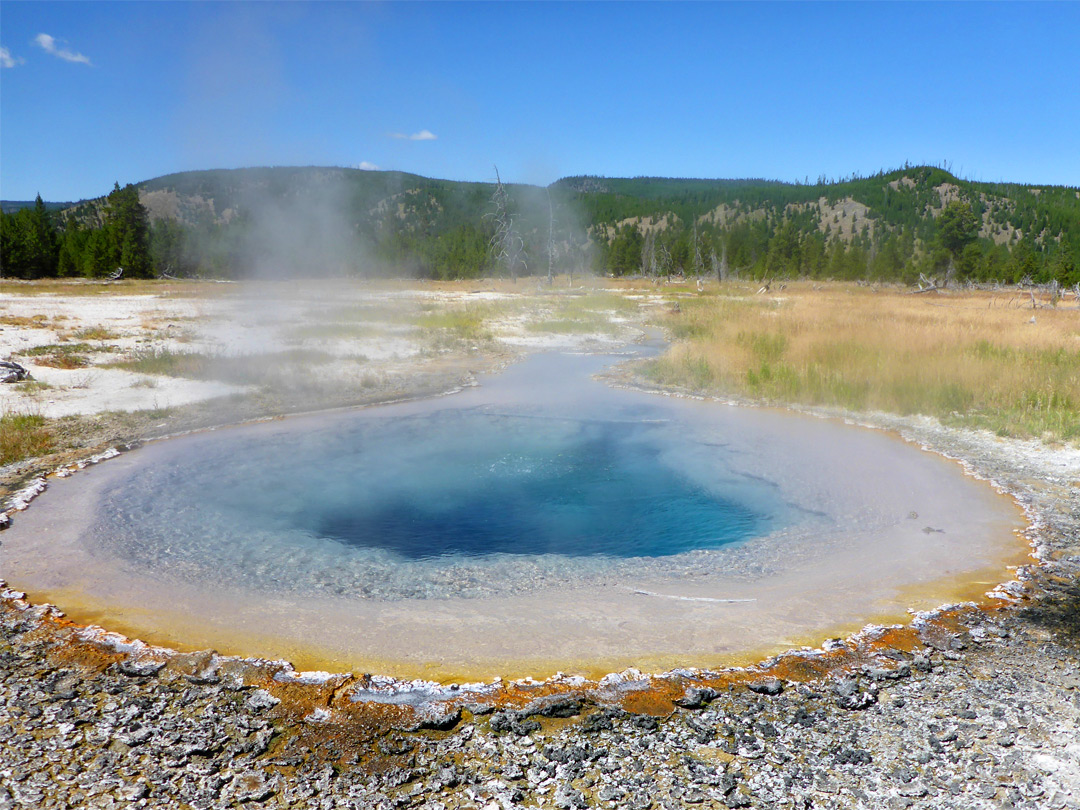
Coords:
300,231
550,221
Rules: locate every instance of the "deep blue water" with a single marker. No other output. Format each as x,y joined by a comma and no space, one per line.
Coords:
598,489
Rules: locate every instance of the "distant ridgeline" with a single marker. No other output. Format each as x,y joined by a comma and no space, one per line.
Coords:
295,222
12,206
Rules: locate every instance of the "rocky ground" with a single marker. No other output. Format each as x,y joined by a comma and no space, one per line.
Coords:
976,706
987,718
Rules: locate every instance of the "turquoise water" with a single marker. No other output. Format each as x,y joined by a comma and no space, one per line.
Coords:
498,484
482,494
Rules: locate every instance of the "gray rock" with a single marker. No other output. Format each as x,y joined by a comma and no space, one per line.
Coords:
508,720
767,686
133,792
849,696
140,667
448,777
438,718
553,706
695,697
568,798
12,372
260,699
252,786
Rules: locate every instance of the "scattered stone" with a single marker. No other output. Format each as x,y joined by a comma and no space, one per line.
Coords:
260,699
567,797
252,786
554,706
768,686
645,722
853,756
695,697
849,696
508,720
133,792
140,667
439,718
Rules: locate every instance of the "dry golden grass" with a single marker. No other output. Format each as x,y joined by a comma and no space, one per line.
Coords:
974,358
161,288
29,322
80,286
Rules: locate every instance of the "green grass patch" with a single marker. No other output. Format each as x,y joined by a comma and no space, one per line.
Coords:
951,359
582,314
766,347
688,371
596,323
168,363
94,333
24,436
59,348
31,386
65,355
464,324
598,302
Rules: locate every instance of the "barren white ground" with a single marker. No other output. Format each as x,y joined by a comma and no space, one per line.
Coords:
357,330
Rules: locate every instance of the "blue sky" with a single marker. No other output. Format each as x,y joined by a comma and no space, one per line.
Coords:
130,91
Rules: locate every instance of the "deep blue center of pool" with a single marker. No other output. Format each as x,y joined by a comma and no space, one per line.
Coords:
601,490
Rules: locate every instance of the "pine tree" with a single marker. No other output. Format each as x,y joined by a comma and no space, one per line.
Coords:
29,245
128,232
42,244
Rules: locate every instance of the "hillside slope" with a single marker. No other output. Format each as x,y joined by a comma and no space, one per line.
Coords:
891,226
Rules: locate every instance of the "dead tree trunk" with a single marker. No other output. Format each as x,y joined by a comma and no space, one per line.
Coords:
507,246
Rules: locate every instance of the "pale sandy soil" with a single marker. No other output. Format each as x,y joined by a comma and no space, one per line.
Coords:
135,322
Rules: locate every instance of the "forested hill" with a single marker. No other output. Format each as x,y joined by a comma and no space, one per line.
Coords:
890,226
886,226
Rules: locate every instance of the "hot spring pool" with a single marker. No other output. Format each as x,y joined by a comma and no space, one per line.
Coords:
542,521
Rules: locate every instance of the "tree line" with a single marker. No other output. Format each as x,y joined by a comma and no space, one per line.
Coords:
773,246
37,243
401,224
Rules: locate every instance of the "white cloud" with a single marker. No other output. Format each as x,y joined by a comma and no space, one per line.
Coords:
48,44
422,135
7,60
367,167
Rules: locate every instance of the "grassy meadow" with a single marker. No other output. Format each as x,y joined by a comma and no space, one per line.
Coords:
973,358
